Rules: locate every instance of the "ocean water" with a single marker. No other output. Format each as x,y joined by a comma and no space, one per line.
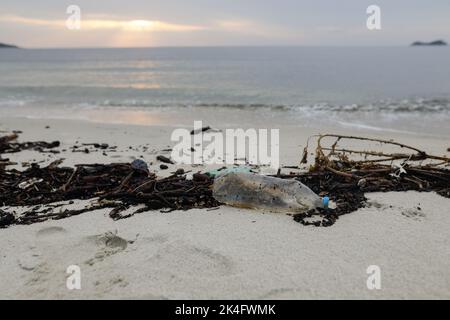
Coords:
354,86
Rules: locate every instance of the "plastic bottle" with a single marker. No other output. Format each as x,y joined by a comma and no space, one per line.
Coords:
248,190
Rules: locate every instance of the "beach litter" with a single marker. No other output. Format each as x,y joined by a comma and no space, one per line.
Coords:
139,164
254,191
340,174
29,183
200,130
164,159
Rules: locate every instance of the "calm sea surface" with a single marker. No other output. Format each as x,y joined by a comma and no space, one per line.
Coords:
393,81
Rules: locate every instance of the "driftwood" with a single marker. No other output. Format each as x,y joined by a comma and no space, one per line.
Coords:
345,179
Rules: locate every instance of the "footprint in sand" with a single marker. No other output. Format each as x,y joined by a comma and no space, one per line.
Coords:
106,286
50,232
32,259
202,261
107,244
39,274
413,214
29,261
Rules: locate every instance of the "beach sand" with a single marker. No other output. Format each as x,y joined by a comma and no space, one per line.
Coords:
228,253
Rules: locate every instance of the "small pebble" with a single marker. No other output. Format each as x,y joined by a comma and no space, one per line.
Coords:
164,159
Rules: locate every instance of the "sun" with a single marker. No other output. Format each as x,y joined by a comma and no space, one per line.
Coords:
140,25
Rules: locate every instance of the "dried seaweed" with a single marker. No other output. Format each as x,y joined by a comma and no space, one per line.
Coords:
8,146
116,185
341,173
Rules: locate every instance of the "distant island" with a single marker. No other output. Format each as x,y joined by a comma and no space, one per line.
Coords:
432,43
4,45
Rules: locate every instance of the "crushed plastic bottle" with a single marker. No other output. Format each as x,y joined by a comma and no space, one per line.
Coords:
254,191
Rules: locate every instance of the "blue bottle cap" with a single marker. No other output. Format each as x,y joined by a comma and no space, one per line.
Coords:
325,201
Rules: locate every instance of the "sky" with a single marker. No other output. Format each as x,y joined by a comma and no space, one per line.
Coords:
149,23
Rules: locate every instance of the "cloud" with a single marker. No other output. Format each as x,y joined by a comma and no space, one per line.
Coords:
259,29
127,31
106,24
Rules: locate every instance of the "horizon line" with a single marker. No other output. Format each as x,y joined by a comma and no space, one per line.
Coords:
221,46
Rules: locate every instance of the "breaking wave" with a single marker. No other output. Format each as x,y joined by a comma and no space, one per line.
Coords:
420,105
391,106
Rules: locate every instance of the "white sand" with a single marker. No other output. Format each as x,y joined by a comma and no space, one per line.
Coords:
224,253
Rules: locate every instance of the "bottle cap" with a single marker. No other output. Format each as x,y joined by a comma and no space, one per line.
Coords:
325,201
